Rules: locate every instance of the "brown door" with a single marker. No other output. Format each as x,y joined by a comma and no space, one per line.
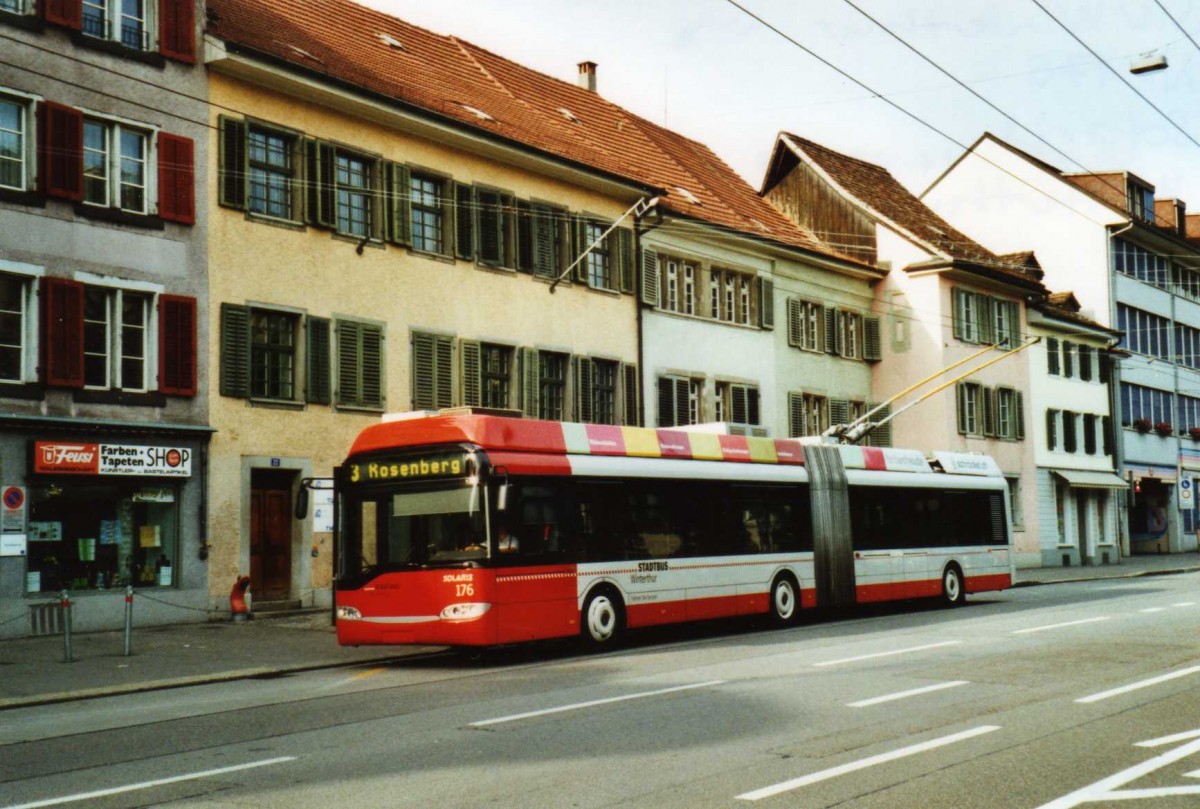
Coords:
270,536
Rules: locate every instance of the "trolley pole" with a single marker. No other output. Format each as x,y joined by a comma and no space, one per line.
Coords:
128,620
65,603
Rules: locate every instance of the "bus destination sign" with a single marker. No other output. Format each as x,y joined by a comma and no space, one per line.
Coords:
410,468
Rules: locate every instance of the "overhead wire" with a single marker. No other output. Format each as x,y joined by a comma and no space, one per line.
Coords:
1178,25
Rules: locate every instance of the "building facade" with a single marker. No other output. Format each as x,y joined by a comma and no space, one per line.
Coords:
1134,269
948,312
103,414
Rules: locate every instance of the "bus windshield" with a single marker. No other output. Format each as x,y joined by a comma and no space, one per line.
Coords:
387,530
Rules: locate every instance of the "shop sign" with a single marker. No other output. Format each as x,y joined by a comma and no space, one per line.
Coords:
71,458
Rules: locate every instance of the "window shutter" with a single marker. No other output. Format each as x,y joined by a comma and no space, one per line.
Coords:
321,168
579,243
1105,367
60,153
839,334
766,302
176,179
1052,356
794,322
349,374
235,350
524,235
987,397
683,410
318,370
1014,321
581,368
986,318
629,394
1051,429
961,391
881,436
62,333
231,173
444,389
624,254
399,204
1106,430
67,13
465,221
649,285
739,404
839,411
960,315
423,371
666,402
872,341
488,228
445,193
796,415
547,249
177,345
371,366
1019,413
471,357
530,383
832,343
1068,359
177,30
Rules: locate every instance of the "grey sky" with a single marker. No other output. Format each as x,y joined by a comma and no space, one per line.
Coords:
714,74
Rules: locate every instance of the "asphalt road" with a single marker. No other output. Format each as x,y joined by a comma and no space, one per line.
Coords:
1083,694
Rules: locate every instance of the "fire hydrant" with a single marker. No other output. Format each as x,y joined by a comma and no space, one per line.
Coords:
238,611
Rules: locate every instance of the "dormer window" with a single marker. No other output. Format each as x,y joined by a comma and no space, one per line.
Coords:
1141,201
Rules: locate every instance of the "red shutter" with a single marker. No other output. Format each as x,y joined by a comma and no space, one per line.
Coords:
62,333
68,13
176,178
60,150
177,30
177,345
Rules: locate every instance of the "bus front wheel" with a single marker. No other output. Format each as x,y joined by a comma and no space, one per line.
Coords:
785,600
602,619
954,592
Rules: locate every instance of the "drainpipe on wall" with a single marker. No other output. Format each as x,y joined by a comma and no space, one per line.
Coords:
638,231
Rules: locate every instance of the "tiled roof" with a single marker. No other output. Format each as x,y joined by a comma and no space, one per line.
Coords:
452,79
875,187
1065,306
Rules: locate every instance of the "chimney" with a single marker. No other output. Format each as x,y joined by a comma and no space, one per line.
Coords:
587,76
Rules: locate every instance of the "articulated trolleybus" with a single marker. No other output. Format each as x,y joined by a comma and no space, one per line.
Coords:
464,528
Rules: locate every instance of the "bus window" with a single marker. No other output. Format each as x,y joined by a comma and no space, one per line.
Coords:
537,519
607,529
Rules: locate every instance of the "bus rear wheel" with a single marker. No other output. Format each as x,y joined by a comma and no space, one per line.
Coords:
785,600
602,620
954,592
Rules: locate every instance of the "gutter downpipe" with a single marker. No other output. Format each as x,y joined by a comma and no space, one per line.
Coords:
1117,416
639,283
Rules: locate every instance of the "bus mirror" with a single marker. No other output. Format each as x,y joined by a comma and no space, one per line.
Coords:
302,503
502,497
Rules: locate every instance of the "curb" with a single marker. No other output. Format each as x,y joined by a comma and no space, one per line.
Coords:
12,703
1136,574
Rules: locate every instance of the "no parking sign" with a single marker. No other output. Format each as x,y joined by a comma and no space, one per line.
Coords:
1187,495
12,515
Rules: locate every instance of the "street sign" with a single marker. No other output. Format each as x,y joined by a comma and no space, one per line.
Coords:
1187,494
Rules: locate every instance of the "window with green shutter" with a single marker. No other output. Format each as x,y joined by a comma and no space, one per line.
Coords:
432,371
360,365
630,395
235,350
318,382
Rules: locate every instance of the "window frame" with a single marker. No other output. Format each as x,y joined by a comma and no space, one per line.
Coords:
27,131
113,23
289,172
424,214
26,276
114,185
115,328
259,349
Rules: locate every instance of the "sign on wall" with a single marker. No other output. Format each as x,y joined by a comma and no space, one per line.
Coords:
1187,494
78,458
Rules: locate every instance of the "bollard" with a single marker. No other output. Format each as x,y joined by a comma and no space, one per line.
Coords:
65,603
237,600
128,620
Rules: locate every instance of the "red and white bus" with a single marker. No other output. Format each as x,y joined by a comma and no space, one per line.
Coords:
468,529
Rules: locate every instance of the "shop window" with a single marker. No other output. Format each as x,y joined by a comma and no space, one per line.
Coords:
101,535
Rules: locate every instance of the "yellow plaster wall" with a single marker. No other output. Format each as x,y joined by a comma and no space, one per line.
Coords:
313,272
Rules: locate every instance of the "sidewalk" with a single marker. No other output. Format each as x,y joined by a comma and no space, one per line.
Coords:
32,671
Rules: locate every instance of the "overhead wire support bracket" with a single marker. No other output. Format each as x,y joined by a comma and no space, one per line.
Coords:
637,210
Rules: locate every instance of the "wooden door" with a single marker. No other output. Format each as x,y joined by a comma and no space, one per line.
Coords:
271,542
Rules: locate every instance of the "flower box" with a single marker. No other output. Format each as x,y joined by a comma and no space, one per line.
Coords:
1163,428
1142,425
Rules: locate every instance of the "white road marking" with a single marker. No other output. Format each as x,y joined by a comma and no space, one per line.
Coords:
887,654
1185,604
1193,774
865,703
1060,626
100,793
1154,609
592,703
862,764
1165,740
1100,791
1125,689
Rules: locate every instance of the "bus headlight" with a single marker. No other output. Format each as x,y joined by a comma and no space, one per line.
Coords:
348,614
464,612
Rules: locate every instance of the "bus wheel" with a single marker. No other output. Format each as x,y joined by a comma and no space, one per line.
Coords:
785,600
602,620
953,590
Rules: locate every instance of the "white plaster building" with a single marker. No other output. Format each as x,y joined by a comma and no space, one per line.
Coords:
1133,268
